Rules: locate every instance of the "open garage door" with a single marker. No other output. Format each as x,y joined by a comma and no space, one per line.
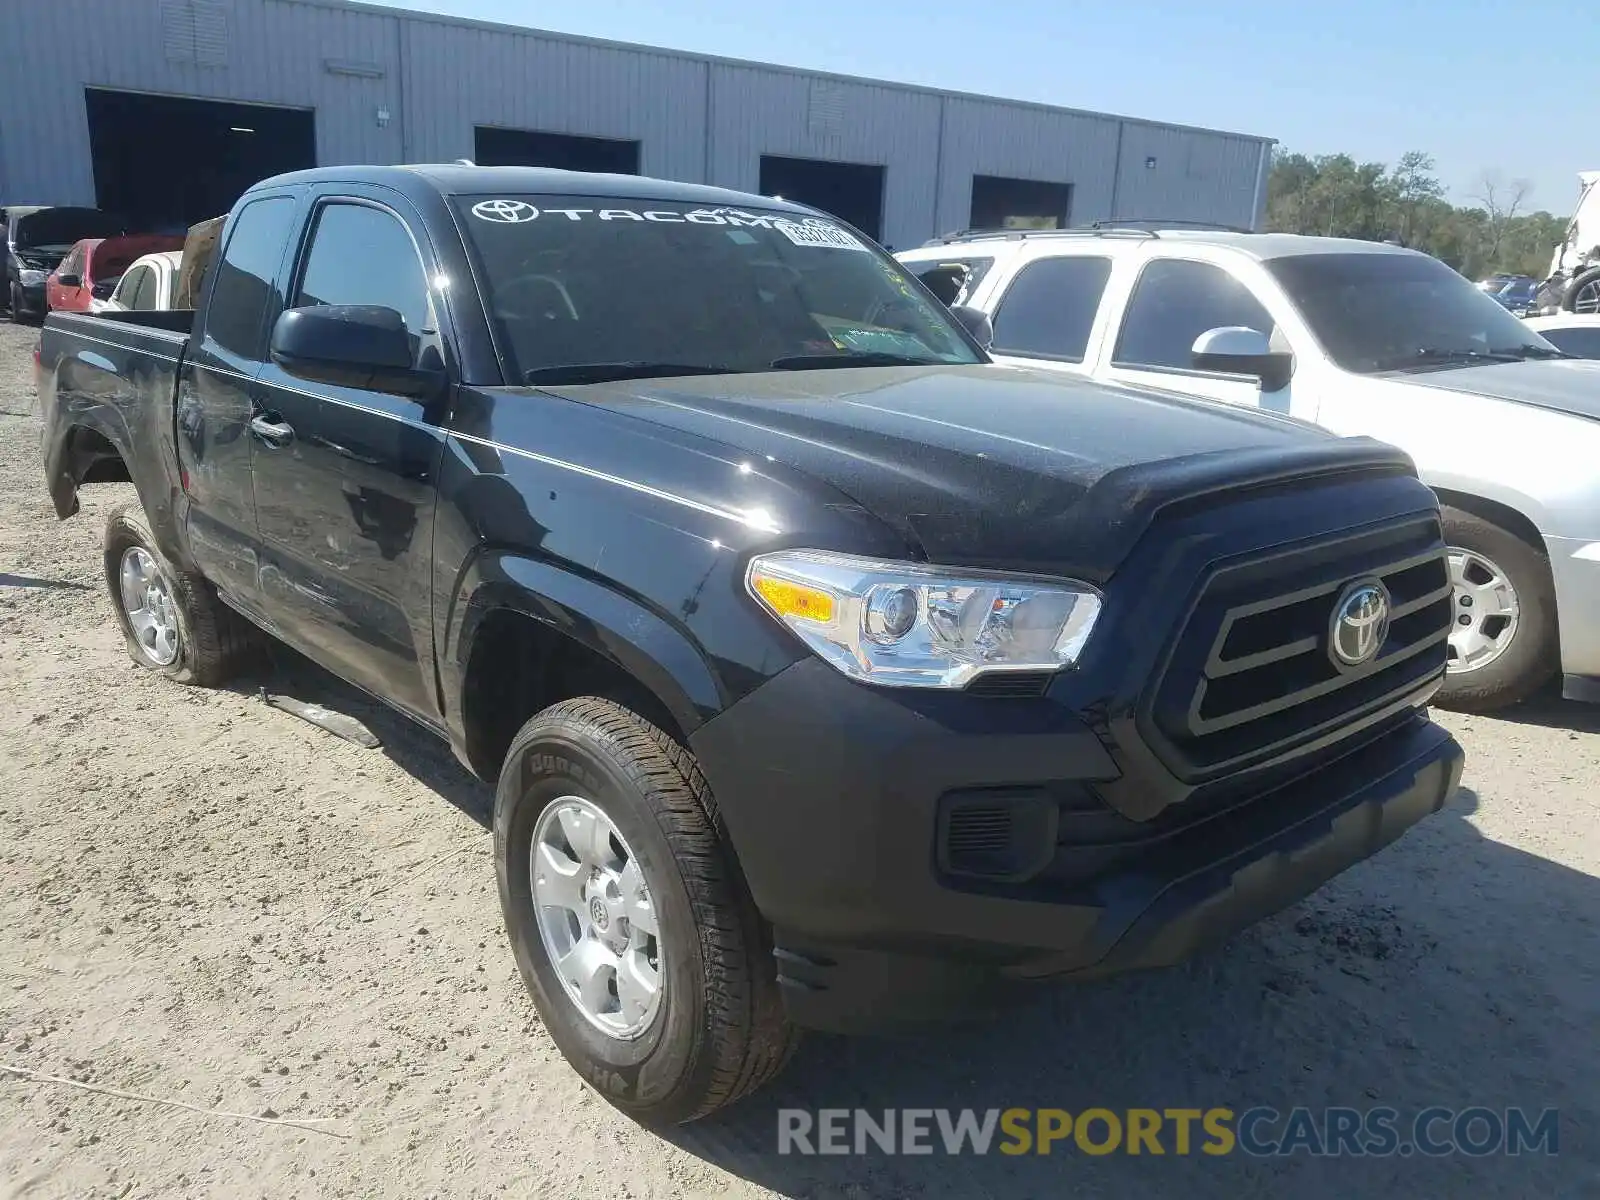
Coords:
1000,203
496,147
165,162
851,191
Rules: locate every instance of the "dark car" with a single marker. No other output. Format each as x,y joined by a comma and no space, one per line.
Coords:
37,239
828,674
1518,295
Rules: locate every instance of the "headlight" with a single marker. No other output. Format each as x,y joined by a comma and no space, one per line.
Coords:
910,625
30,277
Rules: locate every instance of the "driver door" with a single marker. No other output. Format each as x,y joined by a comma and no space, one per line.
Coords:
345,476
1173,302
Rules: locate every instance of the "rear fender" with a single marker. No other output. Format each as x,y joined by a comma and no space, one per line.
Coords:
95,441
107,416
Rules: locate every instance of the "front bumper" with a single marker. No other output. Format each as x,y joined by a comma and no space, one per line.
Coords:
1575,567
832,795
33,300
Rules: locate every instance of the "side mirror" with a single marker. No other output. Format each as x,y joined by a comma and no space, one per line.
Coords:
71,281
1240,350
976,323
362,346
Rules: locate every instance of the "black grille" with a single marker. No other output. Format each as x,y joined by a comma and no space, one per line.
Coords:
1010,684
1002,834
1252,671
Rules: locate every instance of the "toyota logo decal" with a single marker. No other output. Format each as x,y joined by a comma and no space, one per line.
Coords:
505,212
1360,623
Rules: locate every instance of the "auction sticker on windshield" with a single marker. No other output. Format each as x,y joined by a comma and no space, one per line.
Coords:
818,233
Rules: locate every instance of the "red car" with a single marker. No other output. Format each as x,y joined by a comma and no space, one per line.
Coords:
87,276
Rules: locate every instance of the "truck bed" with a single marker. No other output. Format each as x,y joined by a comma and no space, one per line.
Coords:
167,327
106,393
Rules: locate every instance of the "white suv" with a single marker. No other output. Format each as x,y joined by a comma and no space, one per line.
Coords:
1365,339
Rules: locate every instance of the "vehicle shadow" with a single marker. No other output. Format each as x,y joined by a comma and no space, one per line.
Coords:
54,585
416,751
1550,710
1449,970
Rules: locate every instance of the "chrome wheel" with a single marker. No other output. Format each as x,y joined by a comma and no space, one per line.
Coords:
1484,611
596,918
1587,298
147,601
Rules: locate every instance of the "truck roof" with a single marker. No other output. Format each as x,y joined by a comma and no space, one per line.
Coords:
459,179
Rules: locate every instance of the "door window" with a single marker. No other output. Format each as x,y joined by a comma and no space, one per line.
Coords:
1049,309
1174,302
244,290
145,298
1580,340
954,280
127,291
364,255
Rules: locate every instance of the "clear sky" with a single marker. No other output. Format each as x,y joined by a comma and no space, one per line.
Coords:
1502,85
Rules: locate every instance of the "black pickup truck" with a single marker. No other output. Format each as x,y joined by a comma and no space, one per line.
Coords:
830,675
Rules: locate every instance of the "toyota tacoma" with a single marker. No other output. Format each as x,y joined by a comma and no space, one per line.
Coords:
828,675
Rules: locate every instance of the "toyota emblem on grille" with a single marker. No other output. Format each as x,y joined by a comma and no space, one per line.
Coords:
1360,623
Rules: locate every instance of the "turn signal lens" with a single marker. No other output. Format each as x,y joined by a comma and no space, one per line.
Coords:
789,599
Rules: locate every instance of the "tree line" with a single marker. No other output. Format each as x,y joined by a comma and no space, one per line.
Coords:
1335,196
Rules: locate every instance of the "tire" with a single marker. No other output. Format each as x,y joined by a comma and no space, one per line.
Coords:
212,643
1587,286
717,1030
1531,653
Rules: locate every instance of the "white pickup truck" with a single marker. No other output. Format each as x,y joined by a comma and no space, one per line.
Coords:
1361,338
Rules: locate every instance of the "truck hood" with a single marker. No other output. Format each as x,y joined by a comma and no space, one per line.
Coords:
1561,385
995,466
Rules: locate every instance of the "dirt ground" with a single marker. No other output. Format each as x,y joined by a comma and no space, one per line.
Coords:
207,901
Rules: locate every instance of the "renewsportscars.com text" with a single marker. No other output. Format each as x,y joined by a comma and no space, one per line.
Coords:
1259,1131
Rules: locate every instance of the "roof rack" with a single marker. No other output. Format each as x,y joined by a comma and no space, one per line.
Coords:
1120,227
1017,235
1168,223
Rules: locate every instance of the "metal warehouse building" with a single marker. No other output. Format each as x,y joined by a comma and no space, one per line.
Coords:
166,109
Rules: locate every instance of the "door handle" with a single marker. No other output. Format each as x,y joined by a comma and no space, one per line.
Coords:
273,433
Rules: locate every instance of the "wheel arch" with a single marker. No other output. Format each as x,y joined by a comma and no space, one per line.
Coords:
87,453
1496,512
524,634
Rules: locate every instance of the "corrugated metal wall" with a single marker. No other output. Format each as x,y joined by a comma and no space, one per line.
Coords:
396,87
458,77
993,138
756,112
1186,175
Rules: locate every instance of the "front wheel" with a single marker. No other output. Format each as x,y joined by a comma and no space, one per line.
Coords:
629,921
1503,634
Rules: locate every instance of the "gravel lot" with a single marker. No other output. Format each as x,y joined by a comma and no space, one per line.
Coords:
208,901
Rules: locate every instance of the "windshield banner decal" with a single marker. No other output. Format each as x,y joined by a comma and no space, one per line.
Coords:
811,232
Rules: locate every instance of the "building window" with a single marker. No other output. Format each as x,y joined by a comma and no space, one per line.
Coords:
1000,203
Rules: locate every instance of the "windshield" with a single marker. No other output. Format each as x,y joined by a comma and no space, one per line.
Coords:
1386,312
63,227
590,291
